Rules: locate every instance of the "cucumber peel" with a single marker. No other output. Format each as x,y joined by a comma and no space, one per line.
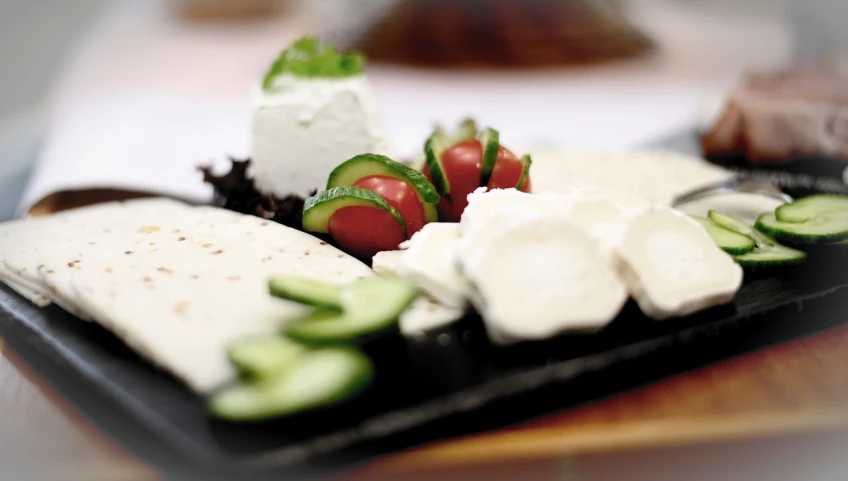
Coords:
727,240
824,228
317,378
435,146
306,291
369,306
366,165
525,174
318,209
807,208
490,143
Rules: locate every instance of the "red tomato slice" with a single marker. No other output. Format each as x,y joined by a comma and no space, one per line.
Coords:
364,231
462,165
399,195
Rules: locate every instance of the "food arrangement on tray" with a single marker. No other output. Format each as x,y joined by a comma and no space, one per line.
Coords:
268,305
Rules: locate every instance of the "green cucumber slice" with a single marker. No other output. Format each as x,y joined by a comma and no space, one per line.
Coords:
431,213
727,240
771,256
318,209
768,251
736,225
366,165
433,149
318,378
525,174
369,306
825,228
467,131
490,142
306,291
804,209
263,357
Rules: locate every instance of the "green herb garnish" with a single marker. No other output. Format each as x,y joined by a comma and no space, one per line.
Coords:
307,57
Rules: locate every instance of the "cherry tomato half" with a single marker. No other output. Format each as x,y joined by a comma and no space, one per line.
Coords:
462,164
364,231
399,195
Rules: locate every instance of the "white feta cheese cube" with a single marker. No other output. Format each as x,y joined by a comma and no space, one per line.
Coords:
304,128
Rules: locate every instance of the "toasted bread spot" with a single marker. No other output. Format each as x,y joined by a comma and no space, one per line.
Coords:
219,251
322,243
51,271
263,224
181,239
340,256
267,259
306,253
149,229
234,278
165,270
128,252
108,270
206,246
148,279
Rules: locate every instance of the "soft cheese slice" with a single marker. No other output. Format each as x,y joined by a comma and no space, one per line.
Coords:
672,267
179,303
542,276
306,127
386,262
429,261
603,214
488,210
425,314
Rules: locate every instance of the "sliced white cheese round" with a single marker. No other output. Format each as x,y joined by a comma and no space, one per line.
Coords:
538,277
386,262
488,210
429,261
672,267
425,314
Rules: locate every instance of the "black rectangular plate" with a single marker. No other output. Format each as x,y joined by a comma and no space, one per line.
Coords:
448,383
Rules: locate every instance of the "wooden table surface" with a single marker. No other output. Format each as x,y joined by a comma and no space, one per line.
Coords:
785,408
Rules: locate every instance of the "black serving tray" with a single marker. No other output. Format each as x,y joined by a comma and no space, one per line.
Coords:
449,382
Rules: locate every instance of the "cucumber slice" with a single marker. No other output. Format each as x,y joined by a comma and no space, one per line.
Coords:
802,210
491,143
318,209
318,378
727,240
768,251
771,256
825,228
369,306
306,291
366,165
736,225
525,174
431,213
264,357
433,149
467,131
